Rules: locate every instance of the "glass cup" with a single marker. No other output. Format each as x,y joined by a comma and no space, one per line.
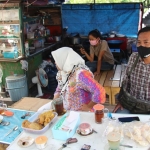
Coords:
3,107
114,140
100,113
58,105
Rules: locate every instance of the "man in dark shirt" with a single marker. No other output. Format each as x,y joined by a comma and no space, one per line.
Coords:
140,76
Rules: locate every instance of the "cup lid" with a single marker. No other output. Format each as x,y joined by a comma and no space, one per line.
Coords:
113,136
84,126
98,107
41,140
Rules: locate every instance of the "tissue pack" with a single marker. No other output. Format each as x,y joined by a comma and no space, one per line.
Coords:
66,126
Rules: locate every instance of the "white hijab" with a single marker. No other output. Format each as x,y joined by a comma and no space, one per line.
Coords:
66,58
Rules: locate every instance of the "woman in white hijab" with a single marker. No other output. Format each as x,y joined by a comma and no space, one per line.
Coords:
75,81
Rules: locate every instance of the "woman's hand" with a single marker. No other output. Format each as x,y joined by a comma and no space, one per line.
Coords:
82,51
96,73
85,107
117,107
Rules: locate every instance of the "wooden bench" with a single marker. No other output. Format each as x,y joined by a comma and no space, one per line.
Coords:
111,81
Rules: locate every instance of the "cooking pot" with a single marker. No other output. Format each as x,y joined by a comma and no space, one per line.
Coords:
114,43
75,38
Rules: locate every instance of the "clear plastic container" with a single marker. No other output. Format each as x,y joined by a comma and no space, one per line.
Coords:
35,117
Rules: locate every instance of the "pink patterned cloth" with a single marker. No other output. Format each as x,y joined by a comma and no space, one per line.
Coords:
81,89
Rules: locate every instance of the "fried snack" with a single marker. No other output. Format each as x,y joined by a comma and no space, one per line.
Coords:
45,117
32,125
43,120
26,123
35,126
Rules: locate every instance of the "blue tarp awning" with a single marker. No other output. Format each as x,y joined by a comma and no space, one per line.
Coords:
123,18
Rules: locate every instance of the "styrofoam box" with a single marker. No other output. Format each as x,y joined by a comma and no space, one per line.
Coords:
10,54
64,135
35,117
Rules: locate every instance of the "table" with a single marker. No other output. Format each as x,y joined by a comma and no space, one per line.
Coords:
96,140
15,120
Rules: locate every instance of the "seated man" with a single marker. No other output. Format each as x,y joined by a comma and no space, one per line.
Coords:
134,97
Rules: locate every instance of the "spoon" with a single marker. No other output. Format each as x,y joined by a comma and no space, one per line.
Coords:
4,123
14,129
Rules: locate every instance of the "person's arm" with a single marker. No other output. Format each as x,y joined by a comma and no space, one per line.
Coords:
57,93
89,84
99,62
89,57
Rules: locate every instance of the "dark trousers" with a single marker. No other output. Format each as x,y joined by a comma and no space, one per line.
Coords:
104,66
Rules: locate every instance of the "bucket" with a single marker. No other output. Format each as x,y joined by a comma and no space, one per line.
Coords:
17,87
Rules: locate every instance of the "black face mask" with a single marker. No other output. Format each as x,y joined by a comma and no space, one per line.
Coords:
143,51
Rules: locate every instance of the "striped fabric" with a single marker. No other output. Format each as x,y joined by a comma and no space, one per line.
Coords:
139,79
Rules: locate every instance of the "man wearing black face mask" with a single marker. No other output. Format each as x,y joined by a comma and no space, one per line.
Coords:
134,97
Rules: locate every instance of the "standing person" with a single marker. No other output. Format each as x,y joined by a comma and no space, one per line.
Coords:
134,96
75,81
100,49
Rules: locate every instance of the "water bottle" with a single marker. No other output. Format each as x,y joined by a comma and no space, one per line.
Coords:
15,51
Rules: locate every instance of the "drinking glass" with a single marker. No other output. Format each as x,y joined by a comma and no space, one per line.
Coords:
58,105
3,107
114,140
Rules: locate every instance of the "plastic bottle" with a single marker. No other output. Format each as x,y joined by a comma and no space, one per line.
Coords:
15,51
26,45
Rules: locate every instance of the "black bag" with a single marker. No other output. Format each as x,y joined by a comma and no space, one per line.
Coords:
129,102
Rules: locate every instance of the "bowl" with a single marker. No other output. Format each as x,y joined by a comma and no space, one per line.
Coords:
1,118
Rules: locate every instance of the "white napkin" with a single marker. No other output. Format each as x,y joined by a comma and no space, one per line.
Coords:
70,121
46,106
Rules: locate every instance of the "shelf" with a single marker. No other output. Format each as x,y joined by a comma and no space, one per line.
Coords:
52,24
43,49
46,6
9,37
36,38
11,60
29,19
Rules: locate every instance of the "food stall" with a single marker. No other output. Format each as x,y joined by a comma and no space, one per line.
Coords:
27,33
35,31
116,21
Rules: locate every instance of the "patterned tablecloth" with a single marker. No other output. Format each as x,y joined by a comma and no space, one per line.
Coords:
15,120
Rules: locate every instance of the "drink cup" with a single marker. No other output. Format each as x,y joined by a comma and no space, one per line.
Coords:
114,140
99,112
85,128
3,107
58,105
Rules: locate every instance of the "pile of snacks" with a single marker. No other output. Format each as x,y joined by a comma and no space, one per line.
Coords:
136,130
43,119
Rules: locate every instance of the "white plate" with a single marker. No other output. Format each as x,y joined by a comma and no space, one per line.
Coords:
25,141
78,131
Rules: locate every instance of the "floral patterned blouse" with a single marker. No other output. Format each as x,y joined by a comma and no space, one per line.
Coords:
81,88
